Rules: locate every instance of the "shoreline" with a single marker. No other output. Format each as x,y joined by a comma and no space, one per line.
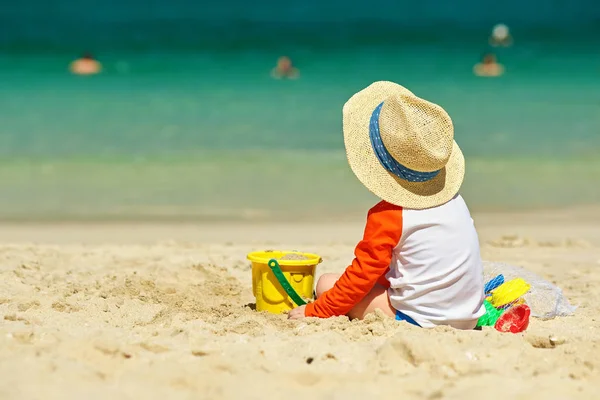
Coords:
552,225
254,189
584,213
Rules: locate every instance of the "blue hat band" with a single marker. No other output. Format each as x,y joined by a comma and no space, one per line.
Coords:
385,158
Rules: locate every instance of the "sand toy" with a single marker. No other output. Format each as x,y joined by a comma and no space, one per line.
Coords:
505,307
282,280
508,293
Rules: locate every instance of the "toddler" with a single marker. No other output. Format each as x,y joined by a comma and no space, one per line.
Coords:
419,258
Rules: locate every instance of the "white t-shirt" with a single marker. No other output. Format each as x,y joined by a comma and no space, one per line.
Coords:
436,272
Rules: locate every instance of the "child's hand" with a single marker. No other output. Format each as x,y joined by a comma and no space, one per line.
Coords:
297,313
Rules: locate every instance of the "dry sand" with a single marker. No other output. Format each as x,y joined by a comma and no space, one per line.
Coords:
160,311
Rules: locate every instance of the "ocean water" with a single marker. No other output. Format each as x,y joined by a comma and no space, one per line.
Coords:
196,134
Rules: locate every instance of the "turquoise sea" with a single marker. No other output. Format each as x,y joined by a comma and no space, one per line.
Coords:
193,134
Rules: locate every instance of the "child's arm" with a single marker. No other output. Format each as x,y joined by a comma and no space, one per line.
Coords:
372,259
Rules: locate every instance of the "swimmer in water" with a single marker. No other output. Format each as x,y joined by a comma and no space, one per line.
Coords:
284,69
488,67
500,36
86,65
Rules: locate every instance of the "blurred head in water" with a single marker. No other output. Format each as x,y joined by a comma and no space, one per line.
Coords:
489,59
488,66
284,68
284,64
85,65
500,32
500,36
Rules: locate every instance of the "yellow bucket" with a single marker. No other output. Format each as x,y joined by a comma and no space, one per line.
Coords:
300,273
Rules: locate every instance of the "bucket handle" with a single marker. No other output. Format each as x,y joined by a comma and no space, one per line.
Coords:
274,265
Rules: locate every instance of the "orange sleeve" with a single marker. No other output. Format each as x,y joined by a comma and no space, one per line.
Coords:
373,255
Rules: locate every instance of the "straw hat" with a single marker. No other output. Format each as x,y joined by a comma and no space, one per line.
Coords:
402,147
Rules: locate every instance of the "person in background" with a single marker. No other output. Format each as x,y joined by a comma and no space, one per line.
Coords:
500,36
488,67
86,65
284,69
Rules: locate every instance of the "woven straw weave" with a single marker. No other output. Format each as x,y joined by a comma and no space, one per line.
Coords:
417,133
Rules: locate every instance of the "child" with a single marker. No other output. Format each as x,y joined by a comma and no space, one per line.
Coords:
419,258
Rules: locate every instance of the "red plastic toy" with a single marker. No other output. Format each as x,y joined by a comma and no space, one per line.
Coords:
514,320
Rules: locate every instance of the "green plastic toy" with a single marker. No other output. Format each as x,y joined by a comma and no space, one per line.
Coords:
491,315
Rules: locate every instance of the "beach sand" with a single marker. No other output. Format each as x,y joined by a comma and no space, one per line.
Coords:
96,311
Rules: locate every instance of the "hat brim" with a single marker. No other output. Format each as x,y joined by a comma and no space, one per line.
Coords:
369,171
